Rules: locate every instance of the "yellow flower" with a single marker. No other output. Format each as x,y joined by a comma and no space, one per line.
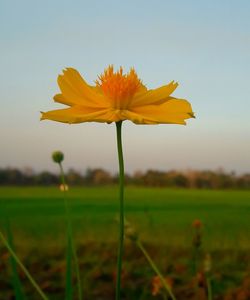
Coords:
116,97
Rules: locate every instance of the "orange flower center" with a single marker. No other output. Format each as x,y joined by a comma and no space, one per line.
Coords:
118,87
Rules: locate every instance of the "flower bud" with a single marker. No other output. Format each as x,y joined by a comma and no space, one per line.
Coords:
57,157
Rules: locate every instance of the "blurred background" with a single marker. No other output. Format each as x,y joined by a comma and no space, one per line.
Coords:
204,45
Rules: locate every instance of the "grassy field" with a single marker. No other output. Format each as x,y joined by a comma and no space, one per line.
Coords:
162,217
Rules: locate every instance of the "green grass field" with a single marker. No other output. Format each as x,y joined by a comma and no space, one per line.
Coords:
163,219
162,216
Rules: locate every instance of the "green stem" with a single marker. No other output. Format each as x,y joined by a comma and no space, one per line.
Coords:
154,267
71,247
26,272
121,218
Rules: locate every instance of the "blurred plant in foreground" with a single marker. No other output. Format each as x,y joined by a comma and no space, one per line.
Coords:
207,271
203,276
197,243
58,158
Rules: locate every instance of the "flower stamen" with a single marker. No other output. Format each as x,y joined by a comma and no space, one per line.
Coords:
119,87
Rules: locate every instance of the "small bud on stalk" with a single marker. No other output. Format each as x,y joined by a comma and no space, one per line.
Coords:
57,157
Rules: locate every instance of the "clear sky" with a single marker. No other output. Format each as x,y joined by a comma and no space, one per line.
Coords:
204,45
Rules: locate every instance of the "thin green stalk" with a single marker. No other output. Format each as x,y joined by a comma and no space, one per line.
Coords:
70,247
121,218
154,267
26,272
15,276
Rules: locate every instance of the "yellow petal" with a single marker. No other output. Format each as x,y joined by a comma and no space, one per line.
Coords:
109,116
156,96
60,99
173,111
76,114
75,91
136,118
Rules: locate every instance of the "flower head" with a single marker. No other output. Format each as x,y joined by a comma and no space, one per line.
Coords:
57,157
117,97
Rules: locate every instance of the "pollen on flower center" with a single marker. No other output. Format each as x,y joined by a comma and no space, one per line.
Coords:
119,87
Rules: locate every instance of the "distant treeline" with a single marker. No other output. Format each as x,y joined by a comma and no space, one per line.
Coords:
152,178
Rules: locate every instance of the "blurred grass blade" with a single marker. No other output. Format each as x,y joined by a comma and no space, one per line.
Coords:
20,264
155,268
14,276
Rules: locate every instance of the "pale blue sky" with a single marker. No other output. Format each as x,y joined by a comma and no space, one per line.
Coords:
204,45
